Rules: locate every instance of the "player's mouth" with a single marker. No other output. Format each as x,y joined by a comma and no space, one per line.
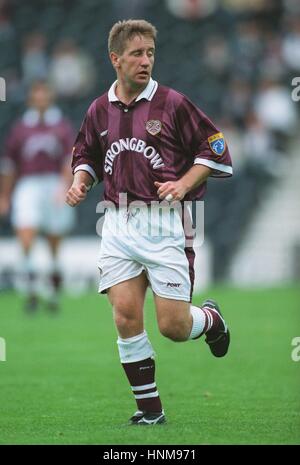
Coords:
143,74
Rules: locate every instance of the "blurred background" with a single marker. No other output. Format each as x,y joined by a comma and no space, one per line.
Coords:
235,59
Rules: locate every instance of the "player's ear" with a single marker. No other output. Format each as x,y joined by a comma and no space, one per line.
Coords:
115,59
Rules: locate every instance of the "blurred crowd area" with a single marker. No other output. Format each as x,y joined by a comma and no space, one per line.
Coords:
234,58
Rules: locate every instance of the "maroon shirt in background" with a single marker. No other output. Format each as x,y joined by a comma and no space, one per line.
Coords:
38,146
158,137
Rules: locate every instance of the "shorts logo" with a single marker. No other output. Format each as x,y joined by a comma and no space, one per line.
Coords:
217,143
153,126
173,284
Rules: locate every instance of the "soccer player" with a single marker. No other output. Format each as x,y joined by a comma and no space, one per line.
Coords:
152,143
35,176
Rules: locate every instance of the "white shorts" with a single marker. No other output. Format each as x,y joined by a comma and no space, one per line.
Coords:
137,240
35,204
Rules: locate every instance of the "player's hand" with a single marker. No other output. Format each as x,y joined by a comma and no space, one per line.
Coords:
76,194
4,205
174,189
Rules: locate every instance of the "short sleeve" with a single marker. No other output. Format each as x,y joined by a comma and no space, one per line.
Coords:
87,151
201,139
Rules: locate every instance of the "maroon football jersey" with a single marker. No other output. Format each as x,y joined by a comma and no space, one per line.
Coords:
158,137
38,145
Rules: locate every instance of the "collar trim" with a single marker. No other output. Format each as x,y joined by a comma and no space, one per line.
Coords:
51,117
148,92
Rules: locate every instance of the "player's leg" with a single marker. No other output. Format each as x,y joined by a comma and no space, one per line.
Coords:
57,221
174,318
122,275
26,237
26,222
162,248
127,300
55,273
181,321
135,350
172,279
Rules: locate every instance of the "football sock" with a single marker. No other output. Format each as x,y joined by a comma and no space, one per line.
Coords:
56,280
30,275
55,277
204,319
137,358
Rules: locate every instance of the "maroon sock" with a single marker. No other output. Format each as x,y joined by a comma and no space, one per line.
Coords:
56,280
141,377
213,319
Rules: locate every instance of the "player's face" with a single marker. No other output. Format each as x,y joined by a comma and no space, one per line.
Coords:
134,66
40,98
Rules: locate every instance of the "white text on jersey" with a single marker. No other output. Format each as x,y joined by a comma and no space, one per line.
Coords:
133,145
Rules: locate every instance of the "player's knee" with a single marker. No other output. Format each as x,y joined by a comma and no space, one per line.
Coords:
125,318
172,330
123,307
123,322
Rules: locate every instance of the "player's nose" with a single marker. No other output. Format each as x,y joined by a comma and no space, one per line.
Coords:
145,61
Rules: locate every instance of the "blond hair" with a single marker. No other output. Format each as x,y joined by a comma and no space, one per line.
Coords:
126,30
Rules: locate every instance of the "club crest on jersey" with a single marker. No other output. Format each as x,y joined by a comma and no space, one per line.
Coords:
153,126
217,143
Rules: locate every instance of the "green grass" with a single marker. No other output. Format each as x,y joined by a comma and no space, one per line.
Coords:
62,382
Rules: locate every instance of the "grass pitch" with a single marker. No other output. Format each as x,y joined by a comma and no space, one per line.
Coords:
62,382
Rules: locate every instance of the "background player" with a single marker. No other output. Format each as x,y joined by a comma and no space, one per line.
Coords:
34,178
149,142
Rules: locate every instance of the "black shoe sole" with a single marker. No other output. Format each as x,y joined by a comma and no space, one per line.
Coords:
135,421
162,421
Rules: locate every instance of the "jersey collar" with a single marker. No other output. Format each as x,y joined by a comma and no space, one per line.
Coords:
32,117
147,93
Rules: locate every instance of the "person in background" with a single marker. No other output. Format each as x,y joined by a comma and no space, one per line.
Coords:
34,171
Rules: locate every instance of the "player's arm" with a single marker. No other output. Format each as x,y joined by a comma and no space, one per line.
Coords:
66,174
66,180
68,136
189,181
7,182
87,160
82,183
